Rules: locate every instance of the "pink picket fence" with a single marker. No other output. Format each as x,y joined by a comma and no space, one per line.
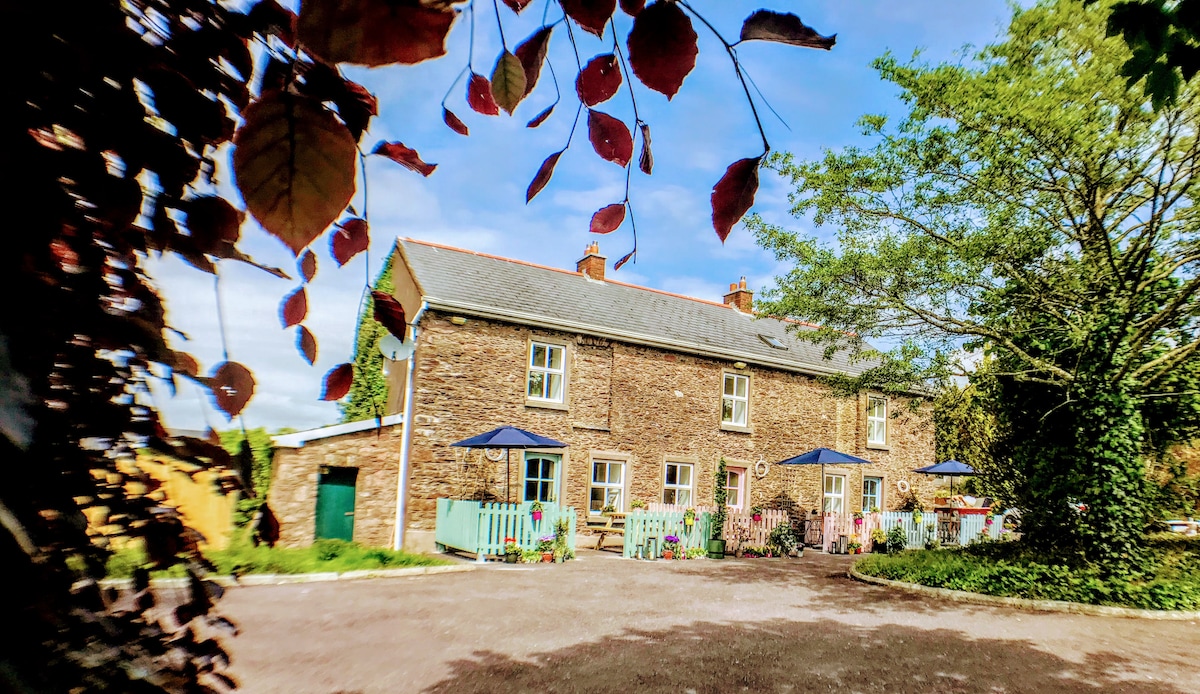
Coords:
835,525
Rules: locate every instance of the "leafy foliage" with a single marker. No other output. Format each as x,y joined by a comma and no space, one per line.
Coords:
368,392
1031,207
1169,579
720,500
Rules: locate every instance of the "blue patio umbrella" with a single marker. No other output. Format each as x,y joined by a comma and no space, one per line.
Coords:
821,456
508,438
947,468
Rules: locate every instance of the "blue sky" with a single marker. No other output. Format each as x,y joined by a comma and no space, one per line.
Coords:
476,197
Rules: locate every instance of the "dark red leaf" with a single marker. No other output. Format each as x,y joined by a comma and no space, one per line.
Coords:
306,344
308,265
349,239
765,25
646,161
599,80
662,47
734,194
337,382
545,171
232,386
389,313
632,7
269,17
532,53
211,436
517,5
212,222
479,96
610,138
185,364
608,218
294,308
541,117
592,15
373,32
356,106
408,158
624,259
454,122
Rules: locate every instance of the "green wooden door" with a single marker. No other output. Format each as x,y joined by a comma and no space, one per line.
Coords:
335,503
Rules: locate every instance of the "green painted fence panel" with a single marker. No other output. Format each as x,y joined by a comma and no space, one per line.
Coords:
457,524
481,528
642,526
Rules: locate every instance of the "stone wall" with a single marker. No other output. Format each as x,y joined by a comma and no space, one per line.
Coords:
643,406
376,455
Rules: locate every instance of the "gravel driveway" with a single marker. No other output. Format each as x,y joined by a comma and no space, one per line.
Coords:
603,624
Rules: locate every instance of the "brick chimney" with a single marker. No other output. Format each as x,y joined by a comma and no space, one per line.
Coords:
592,263
740,298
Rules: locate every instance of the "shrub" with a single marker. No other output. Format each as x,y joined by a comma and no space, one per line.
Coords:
782,540
897,539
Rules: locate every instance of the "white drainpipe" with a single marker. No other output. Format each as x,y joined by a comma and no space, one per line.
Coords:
406,436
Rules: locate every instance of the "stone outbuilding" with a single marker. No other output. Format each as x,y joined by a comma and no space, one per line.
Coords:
649,389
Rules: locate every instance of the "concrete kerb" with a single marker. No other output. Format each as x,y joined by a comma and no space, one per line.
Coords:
279,579
1027,603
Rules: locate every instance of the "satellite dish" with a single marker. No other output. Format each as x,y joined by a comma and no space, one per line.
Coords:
392,348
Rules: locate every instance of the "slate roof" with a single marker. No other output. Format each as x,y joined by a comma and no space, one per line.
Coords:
471,283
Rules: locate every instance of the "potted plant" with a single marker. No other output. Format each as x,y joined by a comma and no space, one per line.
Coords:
670,546
689,517
781,541
858,517
853,546
874,509
637,504
562,552
512,551
989,518
879,540
917,517
608,510
716,543
756,514
536,508
546,547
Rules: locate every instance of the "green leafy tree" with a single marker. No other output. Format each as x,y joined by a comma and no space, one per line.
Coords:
368,390
1031,205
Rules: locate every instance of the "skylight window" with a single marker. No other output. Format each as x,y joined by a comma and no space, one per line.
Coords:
772,341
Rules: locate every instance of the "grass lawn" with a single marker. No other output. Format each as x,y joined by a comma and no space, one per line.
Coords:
322,556
1169,579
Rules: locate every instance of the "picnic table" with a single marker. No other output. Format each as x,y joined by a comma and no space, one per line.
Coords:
605,525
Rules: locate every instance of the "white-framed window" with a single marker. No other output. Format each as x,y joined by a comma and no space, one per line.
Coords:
541,476
608,485
735,487
677,484
546,372
735,400
877,421
872,496
835,494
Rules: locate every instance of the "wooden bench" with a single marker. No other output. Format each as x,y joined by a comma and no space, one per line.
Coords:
609,524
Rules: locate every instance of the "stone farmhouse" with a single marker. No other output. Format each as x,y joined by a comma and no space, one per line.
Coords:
649,390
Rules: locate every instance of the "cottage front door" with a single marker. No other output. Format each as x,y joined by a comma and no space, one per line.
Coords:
335,503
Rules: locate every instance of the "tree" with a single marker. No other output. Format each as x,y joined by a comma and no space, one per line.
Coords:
123,116
1031,205
368,391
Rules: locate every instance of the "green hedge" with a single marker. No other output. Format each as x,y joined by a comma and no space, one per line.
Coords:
1169,579
323,556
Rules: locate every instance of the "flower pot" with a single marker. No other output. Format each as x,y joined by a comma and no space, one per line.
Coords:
757,517
511,558
689,521
668,554
716,549
858,521
547,557
537,515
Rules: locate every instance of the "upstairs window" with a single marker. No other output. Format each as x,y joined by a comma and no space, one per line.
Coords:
877,421
677,484
545,378
735,401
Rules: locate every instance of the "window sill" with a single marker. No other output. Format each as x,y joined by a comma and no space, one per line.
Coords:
725,426
878,447
547,404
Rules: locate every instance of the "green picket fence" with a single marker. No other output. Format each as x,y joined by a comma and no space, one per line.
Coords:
480,528
648,528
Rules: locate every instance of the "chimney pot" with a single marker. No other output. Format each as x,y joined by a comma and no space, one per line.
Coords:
592,263
740,297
